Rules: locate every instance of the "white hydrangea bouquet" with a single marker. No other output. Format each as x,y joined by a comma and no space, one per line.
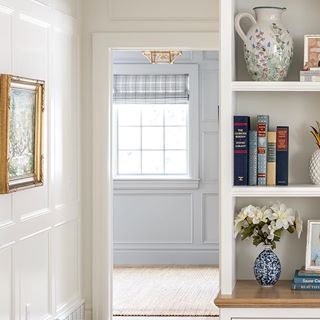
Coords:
265,225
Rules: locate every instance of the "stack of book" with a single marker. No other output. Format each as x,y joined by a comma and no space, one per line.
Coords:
310,75
306,280
261,155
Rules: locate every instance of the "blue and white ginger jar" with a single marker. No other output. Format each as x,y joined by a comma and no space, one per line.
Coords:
268,46
267,267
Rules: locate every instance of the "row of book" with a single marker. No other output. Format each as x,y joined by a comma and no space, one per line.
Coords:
306,280
260,156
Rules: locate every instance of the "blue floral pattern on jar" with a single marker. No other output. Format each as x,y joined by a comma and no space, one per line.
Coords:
267,267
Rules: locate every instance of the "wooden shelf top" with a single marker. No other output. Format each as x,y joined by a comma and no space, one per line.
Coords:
248,294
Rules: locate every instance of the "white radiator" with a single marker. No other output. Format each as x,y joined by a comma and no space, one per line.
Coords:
77,313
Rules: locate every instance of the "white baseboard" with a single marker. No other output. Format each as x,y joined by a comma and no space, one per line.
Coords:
196,257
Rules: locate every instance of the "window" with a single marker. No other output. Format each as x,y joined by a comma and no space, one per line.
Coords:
152,139
152,128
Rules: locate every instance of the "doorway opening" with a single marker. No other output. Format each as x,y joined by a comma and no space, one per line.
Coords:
165,185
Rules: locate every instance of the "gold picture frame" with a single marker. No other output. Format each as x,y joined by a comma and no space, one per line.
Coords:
21,132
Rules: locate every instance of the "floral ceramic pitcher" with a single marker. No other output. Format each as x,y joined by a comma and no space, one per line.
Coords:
268,46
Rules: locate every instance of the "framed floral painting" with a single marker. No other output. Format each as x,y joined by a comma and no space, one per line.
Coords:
21,133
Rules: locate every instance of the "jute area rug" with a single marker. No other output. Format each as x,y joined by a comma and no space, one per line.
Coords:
165,291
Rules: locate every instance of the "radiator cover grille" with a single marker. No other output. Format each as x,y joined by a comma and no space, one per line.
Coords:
77,314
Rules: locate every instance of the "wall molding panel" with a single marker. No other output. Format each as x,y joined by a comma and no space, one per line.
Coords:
180,10
209,155
40,39
208,236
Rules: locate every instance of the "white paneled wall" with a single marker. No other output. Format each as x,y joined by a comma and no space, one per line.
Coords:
39,234
163,226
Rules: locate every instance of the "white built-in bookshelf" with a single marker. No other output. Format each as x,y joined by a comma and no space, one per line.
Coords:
289,103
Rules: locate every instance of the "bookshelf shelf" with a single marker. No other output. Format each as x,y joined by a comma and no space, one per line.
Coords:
248,294
297,190
284,86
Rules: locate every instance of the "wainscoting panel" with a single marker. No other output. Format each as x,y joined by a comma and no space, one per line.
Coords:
210,220
5,36
44,2
209,149
5,212
32,277
66,264
68,7
30,43
153,218
30,202
5,281
65,159
209,92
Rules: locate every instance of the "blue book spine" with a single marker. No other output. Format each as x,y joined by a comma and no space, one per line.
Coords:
241,150
263,127
308,274
305,280
282,162
253,160
307,287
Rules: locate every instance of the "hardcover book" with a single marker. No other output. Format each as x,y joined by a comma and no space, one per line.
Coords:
271,159
263,125
282,158
305,280
241,150
298,286
253,161
308,273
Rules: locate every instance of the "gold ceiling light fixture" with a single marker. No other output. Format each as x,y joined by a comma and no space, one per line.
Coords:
162,57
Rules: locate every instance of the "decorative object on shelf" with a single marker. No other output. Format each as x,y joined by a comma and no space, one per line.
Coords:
311,52
310,76
21,127
268,46
266,225
314,165
267,267
313,246
162,57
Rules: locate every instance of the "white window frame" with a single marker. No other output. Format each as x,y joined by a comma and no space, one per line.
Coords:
164,182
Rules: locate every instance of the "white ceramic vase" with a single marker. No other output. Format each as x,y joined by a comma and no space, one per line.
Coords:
314,167
268,46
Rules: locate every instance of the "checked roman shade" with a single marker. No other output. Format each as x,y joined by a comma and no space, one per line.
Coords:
151,89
